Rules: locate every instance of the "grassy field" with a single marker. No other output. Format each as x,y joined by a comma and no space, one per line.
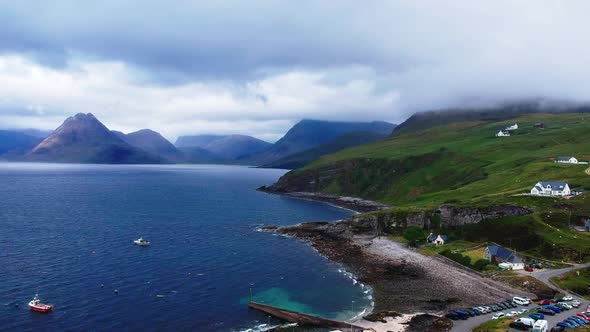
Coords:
575,281
464,162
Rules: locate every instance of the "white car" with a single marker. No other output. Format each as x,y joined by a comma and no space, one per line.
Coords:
564,305
499,315
575,303
567,298
512,313
522,311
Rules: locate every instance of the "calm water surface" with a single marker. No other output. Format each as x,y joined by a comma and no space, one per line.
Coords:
66,231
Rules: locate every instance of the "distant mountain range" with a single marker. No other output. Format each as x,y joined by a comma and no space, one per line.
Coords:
309,134
84,139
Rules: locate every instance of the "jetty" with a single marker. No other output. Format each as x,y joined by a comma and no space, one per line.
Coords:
302,319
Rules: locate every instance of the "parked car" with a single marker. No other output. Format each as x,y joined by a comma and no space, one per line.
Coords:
567,298
522,311
537,316
584,317
499,315
546,311
557,329
453,316
462,314
556,300
575,303
552,308
572,321
526,321
510,303
521,300
519,326
544,302
565,324
512,313
563,306
578,320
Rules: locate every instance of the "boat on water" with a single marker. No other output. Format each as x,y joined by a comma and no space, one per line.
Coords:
141,242
36,305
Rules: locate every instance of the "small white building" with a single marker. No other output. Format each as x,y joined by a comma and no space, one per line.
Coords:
436,239
503,133
547,188
513,127
566,160
504,258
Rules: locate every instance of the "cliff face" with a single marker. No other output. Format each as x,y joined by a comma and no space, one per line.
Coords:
447,215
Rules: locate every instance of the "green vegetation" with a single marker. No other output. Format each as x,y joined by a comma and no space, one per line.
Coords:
496,325
575,281
414,235
464,164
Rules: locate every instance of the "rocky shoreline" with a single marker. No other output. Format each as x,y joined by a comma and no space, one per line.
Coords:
403,280
352,203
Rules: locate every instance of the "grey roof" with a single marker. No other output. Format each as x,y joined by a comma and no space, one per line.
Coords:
505,254
565,158
553,184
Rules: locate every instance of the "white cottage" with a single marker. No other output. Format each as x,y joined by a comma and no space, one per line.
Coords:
566,160
513,127
503,133
546,188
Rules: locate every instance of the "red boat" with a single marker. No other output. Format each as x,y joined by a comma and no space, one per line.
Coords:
36,305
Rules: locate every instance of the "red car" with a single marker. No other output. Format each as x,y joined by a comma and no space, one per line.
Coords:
528,269
544,302
584,317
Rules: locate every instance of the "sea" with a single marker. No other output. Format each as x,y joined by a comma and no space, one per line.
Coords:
67,231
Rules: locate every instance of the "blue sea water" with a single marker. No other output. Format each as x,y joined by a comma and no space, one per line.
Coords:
66,232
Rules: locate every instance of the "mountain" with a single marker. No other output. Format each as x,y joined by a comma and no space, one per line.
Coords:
14,143
198,140
308,134
348,140
152,142
234,146
221,148
428,119
84,139
196,154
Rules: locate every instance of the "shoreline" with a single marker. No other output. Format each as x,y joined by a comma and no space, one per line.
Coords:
354,204
405,284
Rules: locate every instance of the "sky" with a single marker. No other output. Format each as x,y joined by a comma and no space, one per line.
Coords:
257,67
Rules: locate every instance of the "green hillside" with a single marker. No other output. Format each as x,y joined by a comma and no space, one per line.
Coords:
461,162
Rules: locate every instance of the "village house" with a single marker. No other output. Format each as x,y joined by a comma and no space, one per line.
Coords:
548,188
503,257
566,160
513,127
503,133
436,239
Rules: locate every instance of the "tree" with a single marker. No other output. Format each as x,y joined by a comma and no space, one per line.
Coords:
414,234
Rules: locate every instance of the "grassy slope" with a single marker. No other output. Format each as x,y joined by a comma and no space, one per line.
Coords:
470,164
464,164
576,281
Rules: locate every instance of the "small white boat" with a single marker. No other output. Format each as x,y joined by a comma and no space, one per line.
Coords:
141,242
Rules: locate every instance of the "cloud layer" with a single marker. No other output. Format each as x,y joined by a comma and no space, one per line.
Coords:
257,67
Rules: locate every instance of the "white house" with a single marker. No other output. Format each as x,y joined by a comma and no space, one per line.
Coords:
566,160
513,127
546,188
436,239
503,133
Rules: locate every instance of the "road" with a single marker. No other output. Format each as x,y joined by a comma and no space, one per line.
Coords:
543,276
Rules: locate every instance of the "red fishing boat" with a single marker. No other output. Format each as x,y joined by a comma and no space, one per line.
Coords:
36,305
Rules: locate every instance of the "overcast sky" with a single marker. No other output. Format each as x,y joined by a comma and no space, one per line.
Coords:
257,67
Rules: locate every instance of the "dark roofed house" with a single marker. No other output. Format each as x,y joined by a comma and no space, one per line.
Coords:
497,255
539,125
551,188
436,239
